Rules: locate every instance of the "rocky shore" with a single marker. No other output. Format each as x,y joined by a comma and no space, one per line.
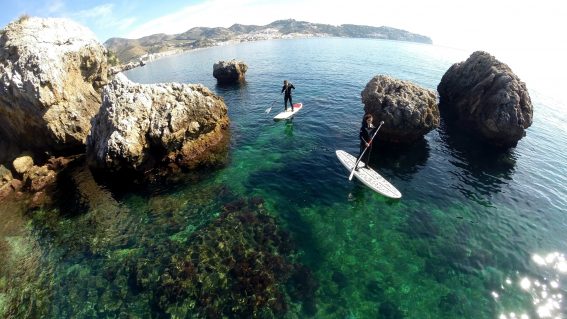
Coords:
61,99
151,47
51,74
141,127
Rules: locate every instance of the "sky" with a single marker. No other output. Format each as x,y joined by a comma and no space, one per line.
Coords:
519,30
478,24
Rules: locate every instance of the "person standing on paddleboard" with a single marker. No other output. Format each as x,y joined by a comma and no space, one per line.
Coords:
287,86
366,131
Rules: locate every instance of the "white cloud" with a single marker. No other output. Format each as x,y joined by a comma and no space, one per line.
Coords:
99,12
104,17
55,6
211,13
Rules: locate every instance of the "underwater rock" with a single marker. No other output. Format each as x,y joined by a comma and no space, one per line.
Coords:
408,111
340,279
171,125
51,74
421,224
389,310
485,98
237,267
228,72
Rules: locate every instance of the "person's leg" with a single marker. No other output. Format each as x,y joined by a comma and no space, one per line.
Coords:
285,102
367,156
361,149
290,103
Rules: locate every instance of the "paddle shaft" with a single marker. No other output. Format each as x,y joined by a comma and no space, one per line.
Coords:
361,155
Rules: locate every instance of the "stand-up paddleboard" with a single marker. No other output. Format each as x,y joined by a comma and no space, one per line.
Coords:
288,114
368,176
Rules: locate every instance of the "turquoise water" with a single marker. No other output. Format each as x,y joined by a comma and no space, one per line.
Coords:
477,234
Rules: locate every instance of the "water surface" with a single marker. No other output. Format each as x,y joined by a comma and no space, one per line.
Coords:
477,234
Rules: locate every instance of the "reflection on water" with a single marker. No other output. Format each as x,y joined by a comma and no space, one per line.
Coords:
544,290
481,169
402,160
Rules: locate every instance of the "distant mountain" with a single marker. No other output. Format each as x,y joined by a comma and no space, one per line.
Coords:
156,45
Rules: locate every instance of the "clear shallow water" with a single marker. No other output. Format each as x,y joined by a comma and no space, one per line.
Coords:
476,234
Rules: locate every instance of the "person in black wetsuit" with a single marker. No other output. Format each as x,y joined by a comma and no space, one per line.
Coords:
287,86
365,135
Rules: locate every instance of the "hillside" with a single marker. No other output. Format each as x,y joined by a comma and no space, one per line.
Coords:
156,45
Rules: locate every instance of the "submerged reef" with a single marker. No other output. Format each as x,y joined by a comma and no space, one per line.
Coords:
237,267
203,253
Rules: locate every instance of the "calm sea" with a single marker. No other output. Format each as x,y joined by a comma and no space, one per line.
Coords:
477,234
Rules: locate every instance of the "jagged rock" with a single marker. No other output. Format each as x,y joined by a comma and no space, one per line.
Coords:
408,111
51,74
5,190
140,125
5,182
5,175
59,163
22,164
37,178
484,96
125,67
227,72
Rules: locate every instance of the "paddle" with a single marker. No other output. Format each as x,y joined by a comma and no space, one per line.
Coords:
270,108
361,155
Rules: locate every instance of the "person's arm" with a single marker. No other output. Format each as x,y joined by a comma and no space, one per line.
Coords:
283,89
293,87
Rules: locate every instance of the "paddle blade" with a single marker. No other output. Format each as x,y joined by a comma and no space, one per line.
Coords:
351,174
268,110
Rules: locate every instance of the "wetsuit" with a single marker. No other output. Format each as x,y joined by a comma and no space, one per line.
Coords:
287,95
365,135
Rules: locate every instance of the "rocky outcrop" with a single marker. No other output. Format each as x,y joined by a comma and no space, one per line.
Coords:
483,96
141,126
51,75
408,111
32,179
22,164
228,72
125,67
6,181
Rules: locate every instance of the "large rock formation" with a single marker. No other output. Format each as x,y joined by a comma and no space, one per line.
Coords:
139,126
228,72
486,98
408,111
51,73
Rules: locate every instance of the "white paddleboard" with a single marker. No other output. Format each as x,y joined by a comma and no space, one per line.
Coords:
288,114
368,176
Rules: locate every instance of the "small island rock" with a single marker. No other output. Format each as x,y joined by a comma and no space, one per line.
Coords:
228,72
408,111
484,96
142,126
51,74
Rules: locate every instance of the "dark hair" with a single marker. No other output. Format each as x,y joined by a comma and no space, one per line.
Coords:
367,116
